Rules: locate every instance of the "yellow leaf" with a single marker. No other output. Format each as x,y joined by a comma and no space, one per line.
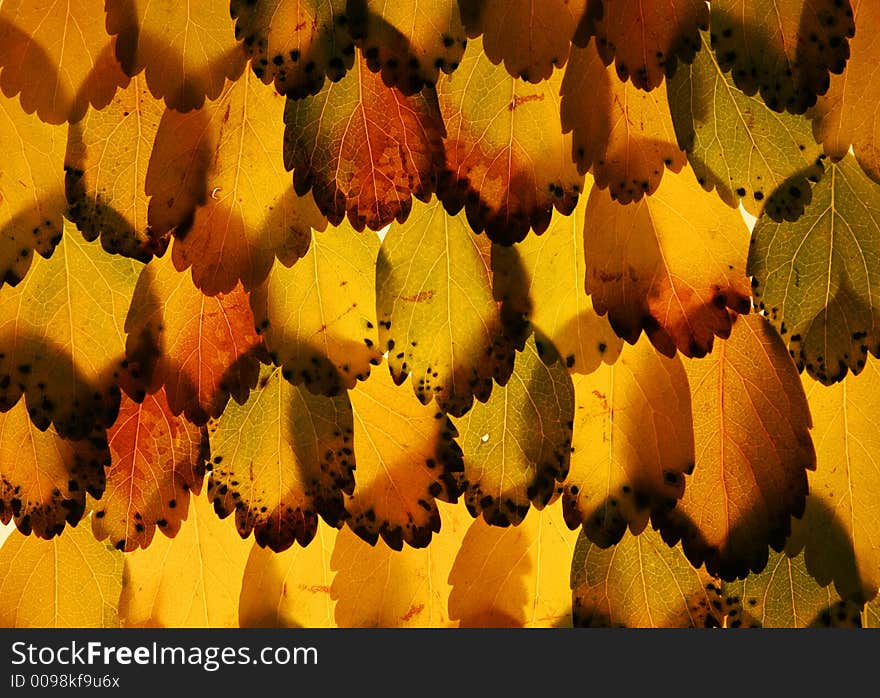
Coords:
72,581
671,264
190,581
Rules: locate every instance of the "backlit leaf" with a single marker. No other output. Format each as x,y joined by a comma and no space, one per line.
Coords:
61,340
406,460
190,581
737,145
217,179
541,280
753,448
72,581
409,43
156,460
280,459
106,168
202,349
44,478
816,278
633,443
517,445
639,583
185,48
786,49
57,57
364,149
507,161
31,189
515,576
646,39
290,589
671,264
623,134
532,38
296,43
437,315
849,113
318,317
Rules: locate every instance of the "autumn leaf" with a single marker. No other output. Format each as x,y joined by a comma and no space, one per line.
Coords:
105,185
541,280
364,149
31,189
202,349
640,583
406,460
72,581
57,57
633,443
786,49
515,576
190,581
217,181
517,445
646,39
667,267
624,135
531,38
186,49
505,186
44,478
318,317
753,448
408,43
376,587
296,43
838,533
61,341
848,113
290,589
437,316
157,458
281,459
750,154
815,278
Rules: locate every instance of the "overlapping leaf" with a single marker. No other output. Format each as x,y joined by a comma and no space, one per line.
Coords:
364,149
507,161
437,316
57,57
297,43
517,445
72,581
849,113
739,146
186,49
666,267
633,443
281,459
44,478
646,39
816,278
409,43
157,459
318,317
622,134
216,178
202,349
531,38
406,460
61,341
753,450
786,49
